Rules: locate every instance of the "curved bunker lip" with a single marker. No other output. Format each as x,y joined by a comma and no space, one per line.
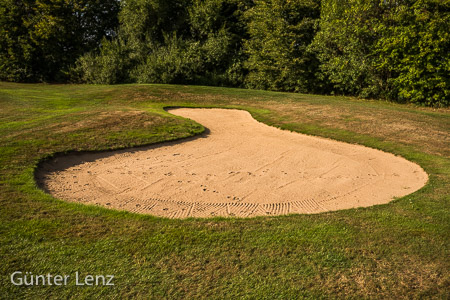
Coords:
240,167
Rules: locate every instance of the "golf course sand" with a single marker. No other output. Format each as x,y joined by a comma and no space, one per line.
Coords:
238,167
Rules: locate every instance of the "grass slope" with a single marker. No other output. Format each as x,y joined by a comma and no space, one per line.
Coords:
398,250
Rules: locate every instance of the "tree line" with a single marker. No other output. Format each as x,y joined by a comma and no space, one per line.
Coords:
387,49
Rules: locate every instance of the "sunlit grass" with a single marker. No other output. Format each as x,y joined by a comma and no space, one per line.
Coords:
398,250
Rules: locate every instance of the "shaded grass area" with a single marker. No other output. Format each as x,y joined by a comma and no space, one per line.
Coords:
396,250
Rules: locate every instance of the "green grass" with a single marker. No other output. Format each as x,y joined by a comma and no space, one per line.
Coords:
398,250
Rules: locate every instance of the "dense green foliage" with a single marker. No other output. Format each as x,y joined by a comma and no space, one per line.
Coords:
388,49
39,40
180,41
395,49
280,33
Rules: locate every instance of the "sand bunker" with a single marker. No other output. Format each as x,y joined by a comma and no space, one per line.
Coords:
239,168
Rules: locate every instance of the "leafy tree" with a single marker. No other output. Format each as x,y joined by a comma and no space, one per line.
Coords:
186,61
178,41
16,50
345,42
110,66
280,33
40,39
220,27
412,53
393,49
145,23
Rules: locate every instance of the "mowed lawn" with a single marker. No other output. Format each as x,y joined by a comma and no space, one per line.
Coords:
397,250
